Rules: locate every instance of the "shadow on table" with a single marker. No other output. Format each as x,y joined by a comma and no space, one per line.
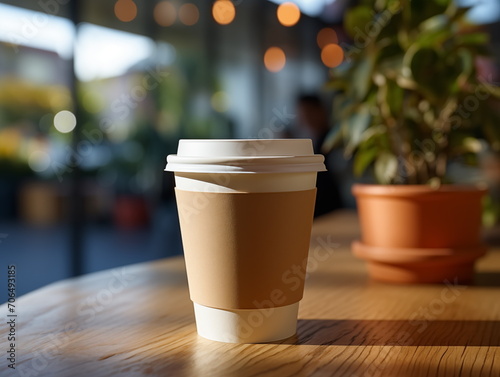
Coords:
487,279
396,333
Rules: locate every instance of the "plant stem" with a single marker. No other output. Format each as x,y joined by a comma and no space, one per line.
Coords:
393,128
443,123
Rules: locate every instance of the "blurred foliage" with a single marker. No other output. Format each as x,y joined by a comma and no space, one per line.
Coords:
409,96
25,109
20,98
491,211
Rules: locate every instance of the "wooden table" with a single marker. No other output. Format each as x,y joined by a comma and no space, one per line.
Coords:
138,321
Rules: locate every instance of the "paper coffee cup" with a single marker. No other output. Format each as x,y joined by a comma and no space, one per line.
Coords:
246,209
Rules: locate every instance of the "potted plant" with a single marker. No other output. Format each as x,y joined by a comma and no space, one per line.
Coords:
409,103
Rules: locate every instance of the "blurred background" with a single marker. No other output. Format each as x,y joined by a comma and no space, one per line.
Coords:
95,94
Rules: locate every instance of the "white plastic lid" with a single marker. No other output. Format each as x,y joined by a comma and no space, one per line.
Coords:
245,156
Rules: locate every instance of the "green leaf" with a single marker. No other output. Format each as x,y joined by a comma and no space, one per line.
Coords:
356,20
389,23
434,38
390,61
461,143
390,52
343,106
333,139
422,62
362,77
386,168
354,126
336,85
394,98
363,159
465,66
434,182
422,10
374,140
423,65
457,13
391,68
473,39
476,43
436,23
436,74
443,2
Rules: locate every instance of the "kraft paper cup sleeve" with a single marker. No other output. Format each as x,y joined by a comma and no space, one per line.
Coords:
246,250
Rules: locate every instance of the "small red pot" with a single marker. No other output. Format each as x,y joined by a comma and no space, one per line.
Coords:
417,234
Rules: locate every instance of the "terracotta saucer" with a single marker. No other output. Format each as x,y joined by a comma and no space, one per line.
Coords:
414,265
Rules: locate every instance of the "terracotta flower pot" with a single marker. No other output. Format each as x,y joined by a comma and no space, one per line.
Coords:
416,234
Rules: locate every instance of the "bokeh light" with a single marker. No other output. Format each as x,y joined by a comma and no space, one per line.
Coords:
165,13
65,121
288,14
223,12
274,59
189,14
220,101
39,161
332,55
326,36
125,10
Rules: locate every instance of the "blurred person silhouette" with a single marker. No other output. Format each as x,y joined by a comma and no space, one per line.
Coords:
312,122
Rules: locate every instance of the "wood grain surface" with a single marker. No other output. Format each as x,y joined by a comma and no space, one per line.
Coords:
138,321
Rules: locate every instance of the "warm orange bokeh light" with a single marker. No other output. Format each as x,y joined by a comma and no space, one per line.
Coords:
288,14
189,14
223,12
326,36
274,59
164,13
125,10
332,55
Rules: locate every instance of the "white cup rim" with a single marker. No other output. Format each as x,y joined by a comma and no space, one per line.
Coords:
245,156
